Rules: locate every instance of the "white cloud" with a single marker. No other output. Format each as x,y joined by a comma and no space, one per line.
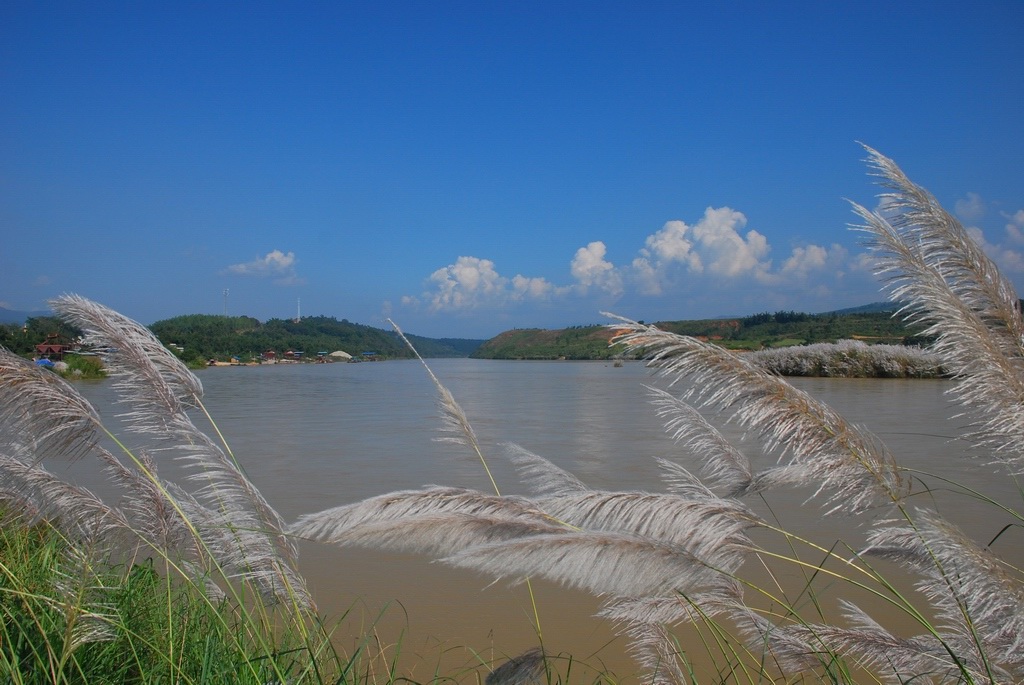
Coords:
531,288
464,284
865,262
1008,259
804,261
724,251
715,258
971,208
1015,229
590,268
670,245
275,264
713,245
472,282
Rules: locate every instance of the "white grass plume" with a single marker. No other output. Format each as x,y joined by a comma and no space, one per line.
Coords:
160,390
45,417
602,563
40,409
440,535
333,525
721,462
979,598
660,560
649,622
454,422
150,378
849,466
932,263
541,476
710,529
72,509
894,658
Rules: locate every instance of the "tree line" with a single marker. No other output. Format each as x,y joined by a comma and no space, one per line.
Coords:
196,338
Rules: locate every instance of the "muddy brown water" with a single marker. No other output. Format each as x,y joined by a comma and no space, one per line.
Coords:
316,436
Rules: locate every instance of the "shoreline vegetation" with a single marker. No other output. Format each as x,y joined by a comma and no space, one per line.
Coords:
197,579
870,341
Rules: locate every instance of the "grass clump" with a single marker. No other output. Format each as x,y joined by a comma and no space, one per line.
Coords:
68,620
77,366
851,359
164,581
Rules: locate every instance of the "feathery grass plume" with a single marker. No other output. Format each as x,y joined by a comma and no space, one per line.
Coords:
603,563
979,598
540,475
850,467
160,390
649,622
76,511
432,504
710,529
933,264
45,417
147,375
454,421
656,650
41,410
205,538
440,535
896,659
83,597
156,518
722,463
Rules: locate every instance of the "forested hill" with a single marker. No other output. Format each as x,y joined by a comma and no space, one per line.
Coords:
206,336
779,329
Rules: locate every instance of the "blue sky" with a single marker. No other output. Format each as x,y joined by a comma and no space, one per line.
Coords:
466,168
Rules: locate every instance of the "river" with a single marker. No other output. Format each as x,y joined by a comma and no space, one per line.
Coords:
313,436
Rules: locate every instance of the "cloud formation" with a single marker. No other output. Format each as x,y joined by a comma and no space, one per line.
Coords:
716,252
1015,227
277,265
1007,258
472,282
590,268
971,208
1006,254
713,245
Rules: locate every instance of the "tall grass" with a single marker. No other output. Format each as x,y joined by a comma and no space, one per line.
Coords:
191,581
198,580
702,566
850,359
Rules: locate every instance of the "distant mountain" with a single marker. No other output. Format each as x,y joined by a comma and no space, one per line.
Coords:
14,316
872,322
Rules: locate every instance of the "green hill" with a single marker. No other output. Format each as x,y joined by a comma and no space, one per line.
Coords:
206,336
872,323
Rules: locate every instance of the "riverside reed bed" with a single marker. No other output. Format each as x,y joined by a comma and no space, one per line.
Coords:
850,359
682,573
